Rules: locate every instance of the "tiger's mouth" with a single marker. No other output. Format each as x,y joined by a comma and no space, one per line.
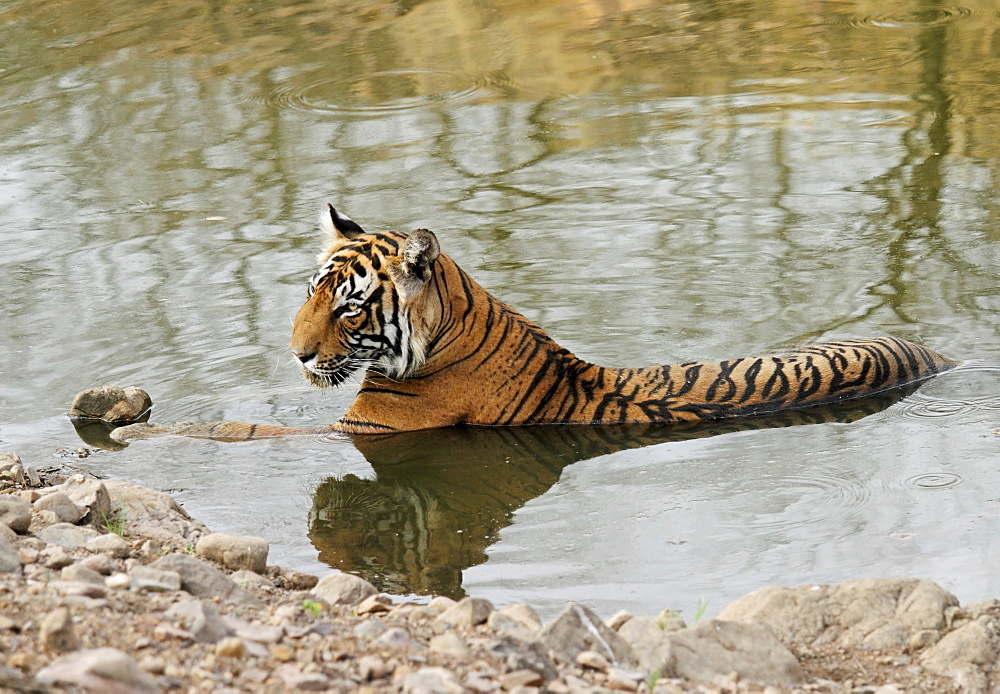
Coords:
332,377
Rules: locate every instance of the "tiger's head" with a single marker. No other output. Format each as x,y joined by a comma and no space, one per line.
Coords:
359,311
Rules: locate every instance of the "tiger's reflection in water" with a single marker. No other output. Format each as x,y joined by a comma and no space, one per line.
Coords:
440,497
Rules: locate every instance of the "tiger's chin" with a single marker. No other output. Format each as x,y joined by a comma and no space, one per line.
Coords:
328,379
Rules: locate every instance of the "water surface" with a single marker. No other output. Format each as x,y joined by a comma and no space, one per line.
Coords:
651,182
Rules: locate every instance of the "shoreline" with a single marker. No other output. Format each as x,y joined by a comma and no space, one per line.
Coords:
107,585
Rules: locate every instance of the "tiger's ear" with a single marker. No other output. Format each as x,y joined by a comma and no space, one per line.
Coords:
340,229
413,268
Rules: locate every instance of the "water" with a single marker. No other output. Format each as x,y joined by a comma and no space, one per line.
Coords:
651,183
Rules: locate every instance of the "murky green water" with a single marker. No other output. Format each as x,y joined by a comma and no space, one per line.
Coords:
650,181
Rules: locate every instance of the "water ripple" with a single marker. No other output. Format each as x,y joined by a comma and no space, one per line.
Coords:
934,480
923,18
814,498
386,92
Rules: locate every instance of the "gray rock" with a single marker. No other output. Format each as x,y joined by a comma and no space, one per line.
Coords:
578,629
398,638
963,652
717,647
246,578
91,496
10,560
111,403
305,681
15,512
8,459
468,612
372,668
6,534
235,551
57,632
111,544
201,619
55,557
202,580
521,655
343,589
370,629
146,578
66,535
432,680
61,505
647,639
99,670
258,633
505,624
150,513
79,572
79,588
449,643
868,613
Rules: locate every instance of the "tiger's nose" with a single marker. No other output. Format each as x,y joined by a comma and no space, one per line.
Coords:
304,357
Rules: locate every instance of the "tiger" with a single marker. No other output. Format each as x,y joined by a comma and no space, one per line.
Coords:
439,350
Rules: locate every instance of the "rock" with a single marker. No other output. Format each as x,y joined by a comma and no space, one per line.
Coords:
293,580
101,563
592,660
963,651
79,572
55,557
505,624
306,681
619,618
520,678
231,647
669,620
111,544
91,496
578,629
111,404
79,588
15,512
57,633
647,639
876,614
201,619
7,535
370,629
235,551
202,580
718,647
66,535
374,604
519,655
153,514
372,668
449,643
146,578
258,633
244,579
117,581
343,589
626,680
432,680
99,670
10,559
61,505
398,638
468,612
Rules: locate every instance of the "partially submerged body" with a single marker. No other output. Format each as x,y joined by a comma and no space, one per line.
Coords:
439,350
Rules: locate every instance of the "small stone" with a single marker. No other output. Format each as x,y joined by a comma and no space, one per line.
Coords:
369,629
117,581
521,678
56,557
144,578
57,633
374,604
441,603
628,681
432,680
231,647
618,619
101,563
578,629
79,572
372,668
202,580
154,665
79,589
258,633
201,619
235,551
61,505
245,579
91,496
468,612
65,535
111,544
398,638
98,669
15,512
7,534
10,559
343,589
306,681
449,643
503,623
111,404
592,660
282,653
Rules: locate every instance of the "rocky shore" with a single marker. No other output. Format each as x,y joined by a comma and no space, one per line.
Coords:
108,586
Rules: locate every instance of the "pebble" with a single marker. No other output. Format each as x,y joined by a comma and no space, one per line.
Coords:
372,668
374,604
88,668
79,588
235,551
144,578
397,638
79,572
56,557
15,512
432,680
117,581
201,619
61,505
449,643
203,580
468,612
244,579
57,632
65,535
231,647
111,544
343,589
101,563
521,678
369,629
91,496
10,558
592,660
